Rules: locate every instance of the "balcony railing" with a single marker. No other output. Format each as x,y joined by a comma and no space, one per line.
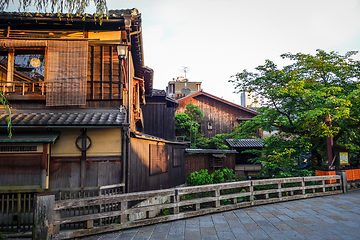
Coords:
23,87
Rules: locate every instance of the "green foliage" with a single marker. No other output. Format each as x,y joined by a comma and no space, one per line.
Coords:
6,106
185,127
194,112
69,6
228,174
302,98
203,177
165,211
242,199
218,176
199,178
216,142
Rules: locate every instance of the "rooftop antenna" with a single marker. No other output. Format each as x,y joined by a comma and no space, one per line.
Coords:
185,70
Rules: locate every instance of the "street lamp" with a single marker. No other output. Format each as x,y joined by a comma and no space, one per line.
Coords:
122,51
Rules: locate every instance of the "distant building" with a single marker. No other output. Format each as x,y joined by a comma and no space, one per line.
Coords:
181,87
220,116
247,99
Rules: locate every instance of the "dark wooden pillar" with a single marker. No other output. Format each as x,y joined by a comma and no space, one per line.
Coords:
83,159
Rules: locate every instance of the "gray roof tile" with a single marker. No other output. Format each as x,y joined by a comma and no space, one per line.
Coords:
208,151
245,143
64,118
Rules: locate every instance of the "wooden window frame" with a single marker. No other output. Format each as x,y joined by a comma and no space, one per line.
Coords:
159,162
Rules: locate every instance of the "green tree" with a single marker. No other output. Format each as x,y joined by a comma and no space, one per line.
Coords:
196,115
185,127
303,99
6,107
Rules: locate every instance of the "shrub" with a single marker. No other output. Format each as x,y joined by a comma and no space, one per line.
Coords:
228,174
199,178
218,176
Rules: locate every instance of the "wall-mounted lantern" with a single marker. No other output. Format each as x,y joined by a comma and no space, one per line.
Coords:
122,51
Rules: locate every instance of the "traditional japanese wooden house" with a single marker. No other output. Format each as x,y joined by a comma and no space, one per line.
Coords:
220,116
244,166
159,114
210,159
75,86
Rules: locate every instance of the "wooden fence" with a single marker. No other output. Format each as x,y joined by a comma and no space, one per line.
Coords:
17,203
95,215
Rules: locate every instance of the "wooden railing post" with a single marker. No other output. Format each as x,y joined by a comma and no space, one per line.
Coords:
343,181
175,199
123,217
216,194
43,216
302,185
279,191
323,185
251,190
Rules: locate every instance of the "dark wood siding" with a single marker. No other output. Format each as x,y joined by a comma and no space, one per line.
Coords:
196,162
223,117
65,172
20,169
139,178
159,120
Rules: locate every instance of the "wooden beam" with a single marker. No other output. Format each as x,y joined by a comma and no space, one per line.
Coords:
111,72
10,69
102,72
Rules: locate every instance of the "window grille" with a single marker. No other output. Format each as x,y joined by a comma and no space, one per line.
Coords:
18,148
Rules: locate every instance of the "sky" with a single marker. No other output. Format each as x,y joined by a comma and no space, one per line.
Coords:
215,39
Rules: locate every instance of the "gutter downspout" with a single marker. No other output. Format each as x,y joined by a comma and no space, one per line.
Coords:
125,155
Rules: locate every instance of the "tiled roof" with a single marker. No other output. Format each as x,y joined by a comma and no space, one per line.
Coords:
209,151
245,143
113,14
142,135
65,118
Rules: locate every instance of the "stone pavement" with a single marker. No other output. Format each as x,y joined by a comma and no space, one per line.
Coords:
331,217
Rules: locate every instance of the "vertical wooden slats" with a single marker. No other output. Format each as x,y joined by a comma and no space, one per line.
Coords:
111,72
92,74
16,212
105,74
102,72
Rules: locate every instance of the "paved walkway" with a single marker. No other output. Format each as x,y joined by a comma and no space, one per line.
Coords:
331,217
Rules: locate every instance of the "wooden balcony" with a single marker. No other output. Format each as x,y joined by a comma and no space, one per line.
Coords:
23,90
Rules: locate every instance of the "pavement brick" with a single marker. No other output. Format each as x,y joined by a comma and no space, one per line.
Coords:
331,217
192,235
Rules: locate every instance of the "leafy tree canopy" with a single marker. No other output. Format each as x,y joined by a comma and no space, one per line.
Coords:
58,6
194,112
303,97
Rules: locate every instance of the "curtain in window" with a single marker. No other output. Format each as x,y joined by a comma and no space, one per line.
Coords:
67,73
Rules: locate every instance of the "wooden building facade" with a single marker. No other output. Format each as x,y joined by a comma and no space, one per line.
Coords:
220,116
159,114
75,88
210,159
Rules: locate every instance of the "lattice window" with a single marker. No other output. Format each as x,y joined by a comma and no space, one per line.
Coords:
177,156
158,159
67,73
18,148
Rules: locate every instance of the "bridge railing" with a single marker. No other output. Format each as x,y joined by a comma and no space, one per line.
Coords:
95,215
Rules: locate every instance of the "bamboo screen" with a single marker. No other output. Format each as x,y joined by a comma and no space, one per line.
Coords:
67,73
12,43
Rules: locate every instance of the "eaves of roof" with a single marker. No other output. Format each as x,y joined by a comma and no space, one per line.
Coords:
145,136
65,118
217,99
245,143
209,151
113,15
